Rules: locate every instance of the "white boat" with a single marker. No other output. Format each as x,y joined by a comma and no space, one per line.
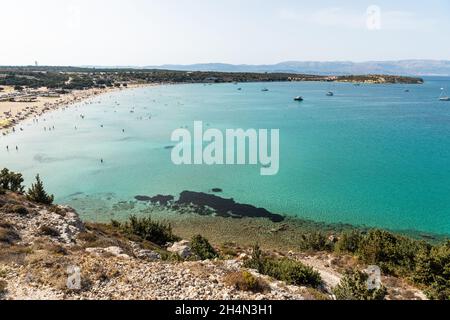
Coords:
298,98
444,96
330,93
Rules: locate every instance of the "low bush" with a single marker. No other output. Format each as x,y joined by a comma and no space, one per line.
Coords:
229,250
315,241
432,268
354,286
49,231
349,242
425,264
202,248
245,281
394,254
7,233
19,209
284,269
15,208
87,237
157,232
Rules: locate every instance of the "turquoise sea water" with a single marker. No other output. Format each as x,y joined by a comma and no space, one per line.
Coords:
373,155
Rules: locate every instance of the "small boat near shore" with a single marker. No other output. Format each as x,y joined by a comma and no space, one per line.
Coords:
265,90
330,93
298,98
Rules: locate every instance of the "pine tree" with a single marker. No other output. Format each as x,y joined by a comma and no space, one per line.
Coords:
423,272
37,193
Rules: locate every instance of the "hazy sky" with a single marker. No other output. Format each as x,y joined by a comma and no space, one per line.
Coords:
153,32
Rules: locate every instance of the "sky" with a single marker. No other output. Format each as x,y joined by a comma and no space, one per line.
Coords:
156,32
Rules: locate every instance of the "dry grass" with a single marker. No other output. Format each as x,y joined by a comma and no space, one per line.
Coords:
48,231
106,235
15,208
314,294
8,236
3,287
13,254
245,281
229,250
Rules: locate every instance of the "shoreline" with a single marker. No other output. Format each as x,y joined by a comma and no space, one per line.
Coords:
189,221
12,114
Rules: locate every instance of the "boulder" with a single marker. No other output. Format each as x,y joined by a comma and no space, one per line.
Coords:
115,251
148,255
181,248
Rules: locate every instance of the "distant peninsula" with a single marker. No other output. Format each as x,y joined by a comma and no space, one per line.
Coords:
75,78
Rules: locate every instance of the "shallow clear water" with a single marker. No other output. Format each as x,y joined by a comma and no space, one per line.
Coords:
373,155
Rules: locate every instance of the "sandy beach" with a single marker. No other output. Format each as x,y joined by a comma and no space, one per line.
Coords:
13,112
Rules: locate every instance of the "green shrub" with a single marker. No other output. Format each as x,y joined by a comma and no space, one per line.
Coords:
11,181
37,193
315,241
439,289
284,269
354,286
349,242
394,254
202,248
433,270
157,232
425,264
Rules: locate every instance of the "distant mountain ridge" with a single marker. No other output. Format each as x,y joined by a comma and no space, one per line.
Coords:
400,67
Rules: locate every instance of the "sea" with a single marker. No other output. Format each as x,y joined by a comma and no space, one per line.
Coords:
375,155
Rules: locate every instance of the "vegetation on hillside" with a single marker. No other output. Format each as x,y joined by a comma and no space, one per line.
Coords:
66,78
284,269
245,281
427,265
38,194
11,181
422,263
202,248
354,286
157,232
